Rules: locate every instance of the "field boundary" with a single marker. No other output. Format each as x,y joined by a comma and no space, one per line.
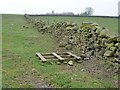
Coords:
74,16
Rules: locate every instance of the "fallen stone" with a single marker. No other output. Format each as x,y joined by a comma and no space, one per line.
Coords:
58,63
70,63
62,44
68,47
82,70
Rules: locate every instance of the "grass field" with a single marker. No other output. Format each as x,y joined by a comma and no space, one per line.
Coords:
21,68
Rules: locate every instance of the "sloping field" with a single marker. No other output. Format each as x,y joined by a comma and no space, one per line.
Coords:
21,68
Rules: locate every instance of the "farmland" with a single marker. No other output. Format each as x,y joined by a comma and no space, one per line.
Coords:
21,68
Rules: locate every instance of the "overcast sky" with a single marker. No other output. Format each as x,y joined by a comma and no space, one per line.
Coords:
101,7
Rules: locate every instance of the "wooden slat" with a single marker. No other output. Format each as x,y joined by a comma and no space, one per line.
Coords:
63,53
41,57
59,57
49,57
46,54
50,54
65,56
68,59
73,55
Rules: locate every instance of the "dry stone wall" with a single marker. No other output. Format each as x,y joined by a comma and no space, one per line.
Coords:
88,40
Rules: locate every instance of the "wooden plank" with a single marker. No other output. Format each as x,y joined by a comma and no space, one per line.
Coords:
59,57
74,55
68,59
65,56
41,57
46,54
50,54
49,57
63,53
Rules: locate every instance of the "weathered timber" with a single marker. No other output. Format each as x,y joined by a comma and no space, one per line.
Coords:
68,59
59,57
41,57
63,53
46,54
49,57
65,56
73,55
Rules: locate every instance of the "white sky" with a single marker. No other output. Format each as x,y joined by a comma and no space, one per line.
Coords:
101,7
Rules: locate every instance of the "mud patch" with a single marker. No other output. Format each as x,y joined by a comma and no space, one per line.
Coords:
94,68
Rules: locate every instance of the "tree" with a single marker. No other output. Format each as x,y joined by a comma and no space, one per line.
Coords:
84,14
89,11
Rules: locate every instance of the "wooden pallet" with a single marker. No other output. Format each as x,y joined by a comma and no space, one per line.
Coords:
57,56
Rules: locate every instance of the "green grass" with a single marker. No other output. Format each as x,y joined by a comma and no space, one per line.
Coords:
18,59
0,51
110,23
